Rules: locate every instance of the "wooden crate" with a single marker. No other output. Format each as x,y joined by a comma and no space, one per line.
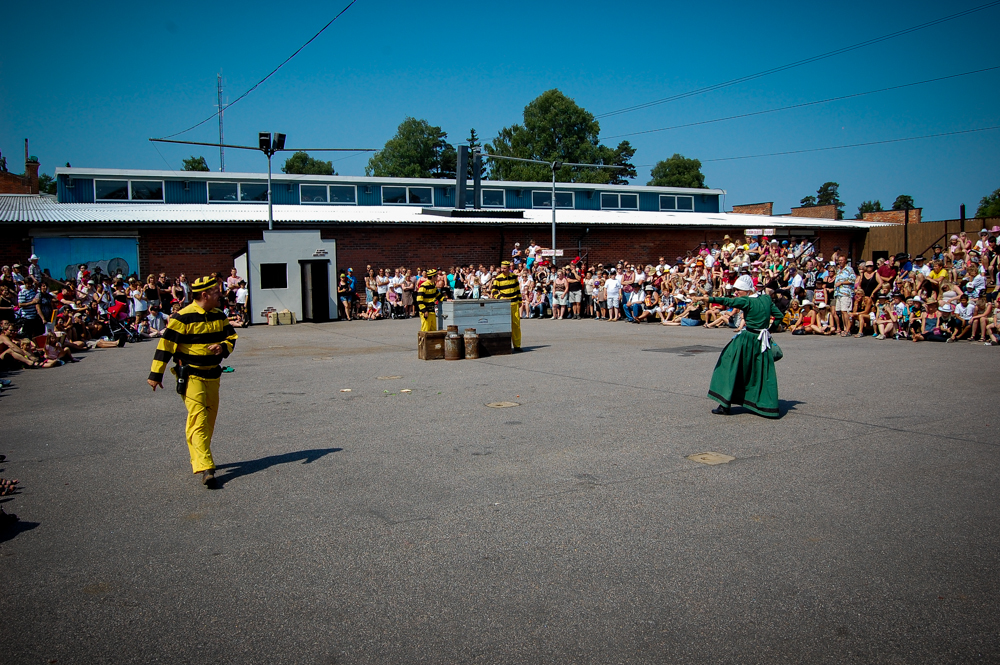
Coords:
430,345
495,344
486,316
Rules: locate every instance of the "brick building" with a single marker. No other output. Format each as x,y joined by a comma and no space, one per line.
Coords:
11,183
197,222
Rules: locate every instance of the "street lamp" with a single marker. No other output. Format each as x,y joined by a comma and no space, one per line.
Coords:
555,166
269,148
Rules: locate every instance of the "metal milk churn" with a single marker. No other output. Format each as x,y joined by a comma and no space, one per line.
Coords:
453,344
471,343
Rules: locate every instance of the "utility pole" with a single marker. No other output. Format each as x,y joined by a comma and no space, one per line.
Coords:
222,150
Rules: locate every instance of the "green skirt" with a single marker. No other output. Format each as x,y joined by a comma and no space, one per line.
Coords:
745,377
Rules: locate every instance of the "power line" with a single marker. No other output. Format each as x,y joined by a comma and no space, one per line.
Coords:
797,106
841,147
273,71
799,63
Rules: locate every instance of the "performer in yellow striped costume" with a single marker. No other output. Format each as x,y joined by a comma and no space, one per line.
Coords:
198,337
427,295
505,285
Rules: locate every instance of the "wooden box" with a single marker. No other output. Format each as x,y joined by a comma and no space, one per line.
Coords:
494,344
430,345
486,316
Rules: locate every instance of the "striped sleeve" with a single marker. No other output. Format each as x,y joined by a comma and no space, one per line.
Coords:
426,296
187,339
506,287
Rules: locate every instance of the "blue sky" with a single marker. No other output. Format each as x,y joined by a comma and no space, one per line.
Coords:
89,84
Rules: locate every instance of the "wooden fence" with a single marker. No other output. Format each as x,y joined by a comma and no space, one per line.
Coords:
917,239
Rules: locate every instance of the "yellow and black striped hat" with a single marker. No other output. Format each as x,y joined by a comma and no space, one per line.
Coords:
432,272
203,284
505,264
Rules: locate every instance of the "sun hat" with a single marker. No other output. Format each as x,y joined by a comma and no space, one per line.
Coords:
743,283
806,302
821,305
945,308
33,257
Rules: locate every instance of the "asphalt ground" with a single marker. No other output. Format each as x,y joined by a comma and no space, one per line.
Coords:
377,526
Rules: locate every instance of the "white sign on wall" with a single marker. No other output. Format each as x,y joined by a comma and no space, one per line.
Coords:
552,252
759,232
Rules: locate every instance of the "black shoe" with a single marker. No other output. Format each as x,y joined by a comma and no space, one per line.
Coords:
721,410
208,478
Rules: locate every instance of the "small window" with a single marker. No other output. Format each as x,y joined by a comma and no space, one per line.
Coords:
629,201
274,275
312,193
422,195
343,194
147,190
253,191
394,195
407,195
222,191
543,199
609,200
671,202
493,198
111,190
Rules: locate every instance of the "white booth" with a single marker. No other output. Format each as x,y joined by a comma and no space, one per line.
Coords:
293,270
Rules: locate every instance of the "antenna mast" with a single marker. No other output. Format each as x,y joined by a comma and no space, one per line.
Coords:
222,151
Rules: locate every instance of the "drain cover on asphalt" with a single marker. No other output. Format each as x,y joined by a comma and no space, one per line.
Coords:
711,458
687,350
502,405
387,378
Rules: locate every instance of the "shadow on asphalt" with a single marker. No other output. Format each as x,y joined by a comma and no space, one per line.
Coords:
236,470
17,528
786,405
529,349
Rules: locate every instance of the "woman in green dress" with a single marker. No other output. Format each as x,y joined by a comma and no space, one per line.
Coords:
744,375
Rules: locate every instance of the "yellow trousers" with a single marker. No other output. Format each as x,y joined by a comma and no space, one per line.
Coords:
428,322
202,402
515,324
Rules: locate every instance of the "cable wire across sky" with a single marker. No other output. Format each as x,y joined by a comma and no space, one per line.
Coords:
272,73
841,147
803,104
799,63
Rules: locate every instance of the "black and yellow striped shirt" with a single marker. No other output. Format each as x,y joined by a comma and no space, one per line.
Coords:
188,335
505,285
427,296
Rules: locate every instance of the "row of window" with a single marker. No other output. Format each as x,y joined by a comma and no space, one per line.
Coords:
222,192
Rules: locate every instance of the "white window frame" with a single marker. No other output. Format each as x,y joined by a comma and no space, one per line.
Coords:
618,197
407,188
163,191
572,199
677,196
341,203
503,193
223,182
314,203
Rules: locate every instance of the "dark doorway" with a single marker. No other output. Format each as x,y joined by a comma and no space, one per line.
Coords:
316,290
880,254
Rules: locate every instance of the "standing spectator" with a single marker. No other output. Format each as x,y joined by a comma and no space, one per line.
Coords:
33,270
843,285
28,311
187,290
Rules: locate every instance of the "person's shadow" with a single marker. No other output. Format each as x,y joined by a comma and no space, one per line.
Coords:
236,470
786,405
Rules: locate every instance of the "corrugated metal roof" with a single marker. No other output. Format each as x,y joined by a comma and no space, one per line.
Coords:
231,176
27,209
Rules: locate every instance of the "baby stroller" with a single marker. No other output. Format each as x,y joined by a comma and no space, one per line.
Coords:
119,328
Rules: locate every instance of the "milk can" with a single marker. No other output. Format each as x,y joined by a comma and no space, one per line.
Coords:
452,344
471,343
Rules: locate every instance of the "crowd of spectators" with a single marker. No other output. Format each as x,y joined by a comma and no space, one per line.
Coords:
44,322
947,296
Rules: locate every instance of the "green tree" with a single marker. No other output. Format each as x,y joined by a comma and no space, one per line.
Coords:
989,206
868,206
556,129
474,143
903,202
418,150
301,163
828,194
46,184
807,201
195,164
678,171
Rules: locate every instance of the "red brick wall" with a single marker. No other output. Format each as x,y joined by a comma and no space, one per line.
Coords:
819,212
754,209
192,251
15,184
893,216
15,246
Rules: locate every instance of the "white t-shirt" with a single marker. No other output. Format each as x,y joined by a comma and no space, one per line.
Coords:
613,286
796,281
382,284
965,313
397,283
241,295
